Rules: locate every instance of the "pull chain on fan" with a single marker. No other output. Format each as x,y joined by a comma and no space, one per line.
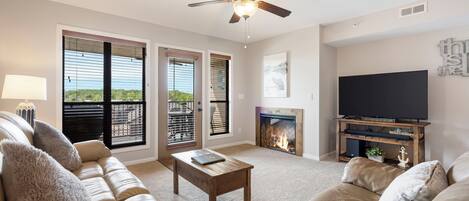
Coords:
246,32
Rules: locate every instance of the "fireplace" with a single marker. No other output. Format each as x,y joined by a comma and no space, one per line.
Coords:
280,129
278,132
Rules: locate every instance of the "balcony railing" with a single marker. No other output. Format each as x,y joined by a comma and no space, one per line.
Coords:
84,121
127,123
180,122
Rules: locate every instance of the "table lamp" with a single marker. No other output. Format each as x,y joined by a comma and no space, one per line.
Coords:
25,88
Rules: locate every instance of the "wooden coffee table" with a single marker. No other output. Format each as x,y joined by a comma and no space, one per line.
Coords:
214,179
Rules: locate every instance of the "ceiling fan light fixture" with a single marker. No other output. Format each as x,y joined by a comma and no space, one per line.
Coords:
245,8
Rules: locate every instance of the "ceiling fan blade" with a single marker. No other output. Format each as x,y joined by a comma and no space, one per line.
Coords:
273,9
203,3
235,18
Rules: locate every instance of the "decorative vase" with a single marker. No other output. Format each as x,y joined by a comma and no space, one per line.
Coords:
376,158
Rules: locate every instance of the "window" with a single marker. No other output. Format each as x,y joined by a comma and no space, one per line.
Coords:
219,94
103,90
181,117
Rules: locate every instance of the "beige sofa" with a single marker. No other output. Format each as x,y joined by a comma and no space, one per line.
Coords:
377,176
104,176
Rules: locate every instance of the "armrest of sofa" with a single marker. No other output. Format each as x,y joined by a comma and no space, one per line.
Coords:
92,150
371,175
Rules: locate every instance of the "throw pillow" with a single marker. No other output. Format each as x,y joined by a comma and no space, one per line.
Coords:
421,182
368,174
455,192
20,123
54,142
32,175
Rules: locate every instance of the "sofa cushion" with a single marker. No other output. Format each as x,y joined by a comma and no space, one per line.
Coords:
346,192
54,142
141,197
458,171
455,192
10,131
89,170
110,164
20,123
124,184
98,189
371,175
32,175
92,150
421,182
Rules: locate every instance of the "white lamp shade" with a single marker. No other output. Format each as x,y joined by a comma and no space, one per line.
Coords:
24,87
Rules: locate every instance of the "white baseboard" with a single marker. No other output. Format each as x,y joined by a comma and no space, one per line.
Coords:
320,158
139,161
231,144
327,155
310,156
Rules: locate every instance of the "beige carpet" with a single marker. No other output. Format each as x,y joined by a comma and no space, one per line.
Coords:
276,176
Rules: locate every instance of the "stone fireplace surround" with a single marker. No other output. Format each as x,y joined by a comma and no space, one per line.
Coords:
297,113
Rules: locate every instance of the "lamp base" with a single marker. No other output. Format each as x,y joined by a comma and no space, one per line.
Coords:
27,110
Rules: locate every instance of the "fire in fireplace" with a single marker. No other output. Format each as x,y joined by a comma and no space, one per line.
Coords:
278,132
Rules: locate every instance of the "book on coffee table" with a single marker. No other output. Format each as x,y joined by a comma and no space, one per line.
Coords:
206,159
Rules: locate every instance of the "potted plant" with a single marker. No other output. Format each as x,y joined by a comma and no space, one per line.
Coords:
376,154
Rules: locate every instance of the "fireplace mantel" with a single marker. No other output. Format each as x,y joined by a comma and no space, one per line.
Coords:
297,113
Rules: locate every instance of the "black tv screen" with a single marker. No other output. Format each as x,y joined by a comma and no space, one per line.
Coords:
401,95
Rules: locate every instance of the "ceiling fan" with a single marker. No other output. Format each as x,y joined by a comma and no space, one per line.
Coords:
246,8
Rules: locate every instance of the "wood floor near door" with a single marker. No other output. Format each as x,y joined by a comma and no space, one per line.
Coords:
214,179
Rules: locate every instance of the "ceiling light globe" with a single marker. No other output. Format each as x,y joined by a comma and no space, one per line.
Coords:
245,8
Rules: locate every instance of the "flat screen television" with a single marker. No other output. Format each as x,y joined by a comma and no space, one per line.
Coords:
402,95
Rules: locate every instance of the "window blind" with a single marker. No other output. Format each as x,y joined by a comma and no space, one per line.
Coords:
127,73
219,94
104,90
83,70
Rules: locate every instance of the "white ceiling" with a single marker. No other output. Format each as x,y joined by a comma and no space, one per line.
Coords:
213,19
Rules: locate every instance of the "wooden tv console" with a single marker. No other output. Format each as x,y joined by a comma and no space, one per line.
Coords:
416,143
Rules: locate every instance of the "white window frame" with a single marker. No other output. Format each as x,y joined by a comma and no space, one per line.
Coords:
230,96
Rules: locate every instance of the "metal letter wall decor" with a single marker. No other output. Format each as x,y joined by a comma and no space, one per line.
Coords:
455,58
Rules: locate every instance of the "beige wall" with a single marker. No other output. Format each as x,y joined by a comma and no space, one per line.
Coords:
327,98
28,46
303,47
448,96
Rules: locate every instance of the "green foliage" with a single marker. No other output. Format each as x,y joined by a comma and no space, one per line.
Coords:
96,95
374,151
176,95
126,95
